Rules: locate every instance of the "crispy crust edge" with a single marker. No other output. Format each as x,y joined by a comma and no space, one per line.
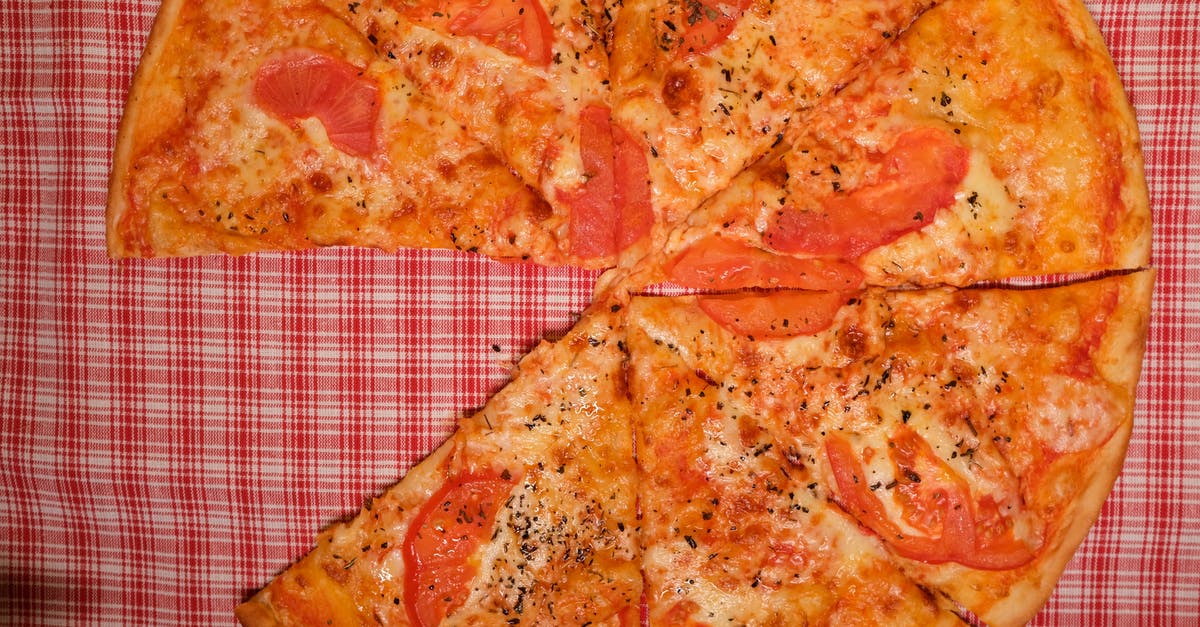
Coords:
118,197
1134,253
259,609
1119,358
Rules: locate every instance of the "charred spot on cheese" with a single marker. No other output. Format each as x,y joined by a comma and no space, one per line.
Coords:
852,342
680,90
775,173
446,168
439,56
540,210
320,182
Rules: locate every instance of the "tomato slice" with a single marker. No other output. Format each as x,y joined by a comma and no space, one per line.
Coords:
934,500
631,188
776,314
593,219
301,83
932,496
444,535
518,27
708,23
716,263
611,210
920,175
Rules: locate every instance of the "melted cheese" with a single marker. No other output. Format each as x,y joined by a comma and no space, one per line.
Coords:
210,171
740,426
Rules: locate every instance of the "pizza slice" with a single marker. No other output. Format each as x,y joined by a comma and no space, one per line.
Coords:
281,129
955,444
528,79
526,515
962,155
708,87
736,527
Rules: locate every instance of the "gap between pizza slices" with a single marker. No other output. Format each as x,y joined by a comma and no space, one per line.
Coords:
797,440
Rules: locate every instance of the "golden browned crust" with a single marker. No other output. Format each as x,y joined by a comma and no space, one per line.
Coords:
561,549
1133,238
131,120
1119,361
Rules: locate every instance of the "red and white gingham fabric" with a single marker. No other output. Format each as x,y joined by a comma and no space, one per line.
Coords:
174,432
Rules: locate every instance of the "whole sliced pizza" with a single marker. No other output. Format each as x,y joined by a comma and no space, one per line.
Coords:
867,345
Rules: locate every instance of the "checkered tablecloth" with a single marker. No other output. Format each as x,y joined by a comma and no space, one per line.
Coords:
174,432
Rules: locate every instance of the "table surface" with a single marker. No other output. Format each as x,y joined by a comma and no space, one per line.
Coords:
174,432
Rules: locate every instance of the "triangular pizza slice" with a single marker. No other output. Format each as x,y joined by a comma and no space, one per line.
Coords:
282,129
529,79
526,515
953,444
964,154
707,87
737,527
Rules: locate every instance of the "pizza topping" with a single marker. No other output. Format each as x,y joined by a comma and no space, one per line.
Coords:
919,177
518,27
707,23
593,219
631,188
442,540
774,315
716,263
611,210
300,83
933,500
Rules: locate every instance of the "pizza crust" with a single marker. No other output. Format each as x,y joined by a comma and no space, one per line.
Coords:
561,546
137,105
1119,360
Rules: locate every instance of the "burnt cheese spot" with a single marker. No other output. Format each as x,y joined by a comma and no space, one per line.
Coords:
539,209
680,90
440,56
853,343
446,168
320,182
776,173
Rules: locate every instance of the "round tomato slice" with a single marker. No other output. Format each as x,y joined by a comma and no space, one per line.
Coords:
716,263
301,83
920,176
934,501
519,27
775,314
444,536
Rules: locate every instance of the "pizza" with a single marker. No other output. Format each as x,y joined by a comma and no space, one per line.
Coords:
535,95
867,344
